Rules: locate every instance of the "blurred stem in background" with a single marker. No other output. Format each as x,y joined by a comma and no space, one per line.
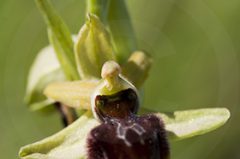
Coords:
99,8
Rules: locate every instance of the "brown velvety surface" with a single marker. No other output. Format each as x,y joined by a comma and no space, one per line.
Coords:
131,138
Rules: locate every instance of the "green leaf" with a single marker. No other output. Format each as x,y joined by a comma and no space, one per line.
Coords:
189,123
69,143
120,26
60,38
44,70
93,48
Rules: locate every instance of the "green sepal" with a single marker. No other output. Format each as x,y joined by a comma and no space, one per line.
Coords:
60,38
44,70
114,14
93,48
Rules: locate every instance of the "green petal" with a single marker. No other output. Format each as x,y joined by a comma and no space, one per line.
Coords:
137,67
73,94
189,123
93,48
45,69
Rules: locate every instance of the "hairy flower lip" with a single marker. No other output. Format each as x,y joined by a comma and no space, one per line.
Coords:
135,137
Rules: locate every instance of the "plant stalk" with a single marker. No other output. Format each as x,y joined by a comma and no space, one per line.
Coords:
99,8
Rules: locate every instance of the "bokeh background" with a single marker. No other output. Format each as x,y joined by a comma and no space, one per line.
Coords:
195,45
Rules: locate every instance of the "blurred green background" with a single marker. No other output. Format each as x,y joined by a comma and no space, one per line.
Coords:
195,45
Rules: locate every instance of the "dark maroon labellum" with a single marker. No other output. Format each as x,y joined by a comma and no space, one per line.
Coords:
123,134
130,138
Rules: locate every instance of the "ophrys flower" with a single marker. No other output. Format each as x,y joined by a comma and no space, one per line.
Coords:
72,78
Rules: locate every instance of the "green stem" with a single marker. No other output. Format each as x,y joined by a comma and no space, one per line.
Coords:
99,8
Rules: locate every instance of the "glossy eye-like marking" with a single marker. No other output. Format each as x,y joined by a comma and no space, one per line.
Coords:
115,97
123,134
119,105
